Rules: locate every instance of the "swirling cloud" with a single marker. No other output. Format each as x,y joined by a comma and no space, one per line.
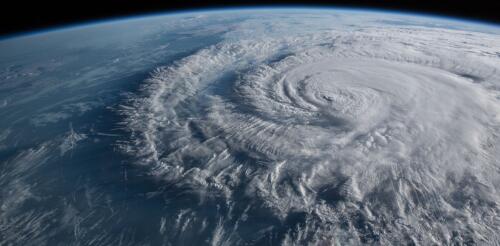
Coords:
374,135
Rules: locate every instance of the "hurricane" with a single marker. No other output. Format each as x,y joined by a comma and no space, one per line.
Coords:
343,135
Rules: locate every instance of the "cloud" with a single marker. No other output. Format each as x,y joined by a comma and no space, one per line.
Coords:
372,129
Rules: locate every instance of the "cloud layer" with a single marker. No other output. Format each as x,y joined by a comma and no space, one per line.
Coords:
376,134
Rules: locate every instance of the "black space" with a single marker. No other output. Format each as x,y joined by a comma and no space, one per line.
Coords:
22,16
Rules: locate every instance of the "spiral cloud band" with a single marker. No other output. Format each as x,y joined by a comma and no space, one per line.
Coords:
369,135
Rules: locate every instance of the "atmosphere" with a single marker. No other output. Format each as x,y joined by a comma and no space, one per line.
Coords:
22,16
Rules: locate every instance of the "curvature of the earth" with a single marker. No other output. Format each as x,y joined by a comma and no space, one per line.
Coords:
252,127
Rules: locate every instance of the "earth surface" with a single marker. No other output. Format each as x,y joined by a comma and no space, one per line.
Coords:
252,127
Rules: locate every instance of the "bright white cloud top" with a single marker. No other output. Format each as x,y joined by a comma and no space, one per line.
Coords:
322,127
370,134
